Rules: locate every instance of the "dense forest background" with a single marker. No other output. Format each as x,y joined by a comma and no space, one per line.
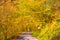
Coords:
41,17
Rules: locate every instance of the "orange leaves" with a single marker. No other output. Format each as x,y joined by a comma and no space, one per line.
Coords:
8,6
14,9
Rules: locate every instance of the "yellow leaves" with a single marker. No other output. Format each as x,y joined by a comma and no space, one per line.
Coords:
44,30
57,13
25,22
34,3
48,28
47,8
29,14
37,23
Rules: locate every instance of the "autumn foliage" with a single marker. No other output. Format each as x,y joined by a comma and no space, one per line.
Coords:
41,17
